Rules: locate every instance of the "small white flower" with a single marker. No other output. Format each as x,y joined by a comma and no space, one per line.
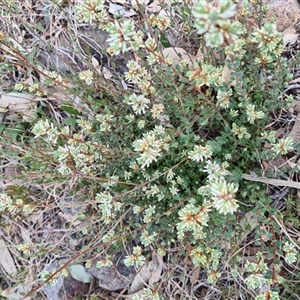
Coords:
223,98
223,195
150,147
139,103
64,169
173,190
157,110
240,131
214,170
86,125
153,190
141,124
192,218
252,114
136,259
120,36
170,175
200,152
290,253
233,113
136,73
105,121
86,76
283,146
151,44
41,128
147,238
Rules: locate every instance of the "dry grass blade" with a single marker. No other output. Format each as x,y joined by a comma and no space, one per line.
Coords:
272,181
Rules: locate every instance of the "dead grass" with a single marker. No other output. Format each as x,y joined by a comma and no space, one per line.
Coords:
43,36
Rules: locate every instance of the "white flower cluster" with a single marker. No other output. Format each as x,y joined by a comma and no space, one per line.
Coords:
214,22
108,207
105,121
139,103
218,191
123,37
253,114
200,152
136,258
87,76
136,73
90,11
151,145
47,130
223,196
268,38
193,218
140,76
77,154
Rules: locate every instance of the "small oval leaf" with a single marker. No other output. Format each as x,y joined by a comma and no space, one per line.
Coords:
70,121
71,110
79,273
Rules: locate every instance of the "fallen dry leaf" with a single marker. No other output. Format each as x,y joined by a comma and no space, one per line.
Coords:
290,38
178,55
6,260
195,275
137,295
19,102
141,278
137,3
120,10
226,74
25,235
106,73
295,107
157,270
149,274
247,223
36,217
155,6
295,132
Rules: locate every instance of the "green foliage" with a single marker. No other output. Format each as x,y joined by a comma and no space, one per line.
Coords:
166,158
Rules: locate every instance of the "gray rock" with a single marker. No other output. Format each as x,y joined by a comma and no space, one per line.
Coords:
113,278
71,52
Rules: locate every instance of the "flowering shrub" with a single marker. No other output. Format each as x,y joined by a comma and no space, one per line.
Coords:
164,161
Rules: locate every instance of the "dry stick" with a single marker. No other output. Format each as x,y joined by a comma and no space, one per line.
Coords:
292,86
276,182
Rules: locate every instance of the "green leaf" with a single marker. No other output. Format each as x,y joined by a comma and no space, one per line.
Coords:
2,127
71,110
14,132
79,273
70,121
164,41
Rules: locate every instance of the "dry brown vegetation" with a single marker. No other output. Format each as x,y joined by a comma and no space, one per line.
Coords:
37,37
